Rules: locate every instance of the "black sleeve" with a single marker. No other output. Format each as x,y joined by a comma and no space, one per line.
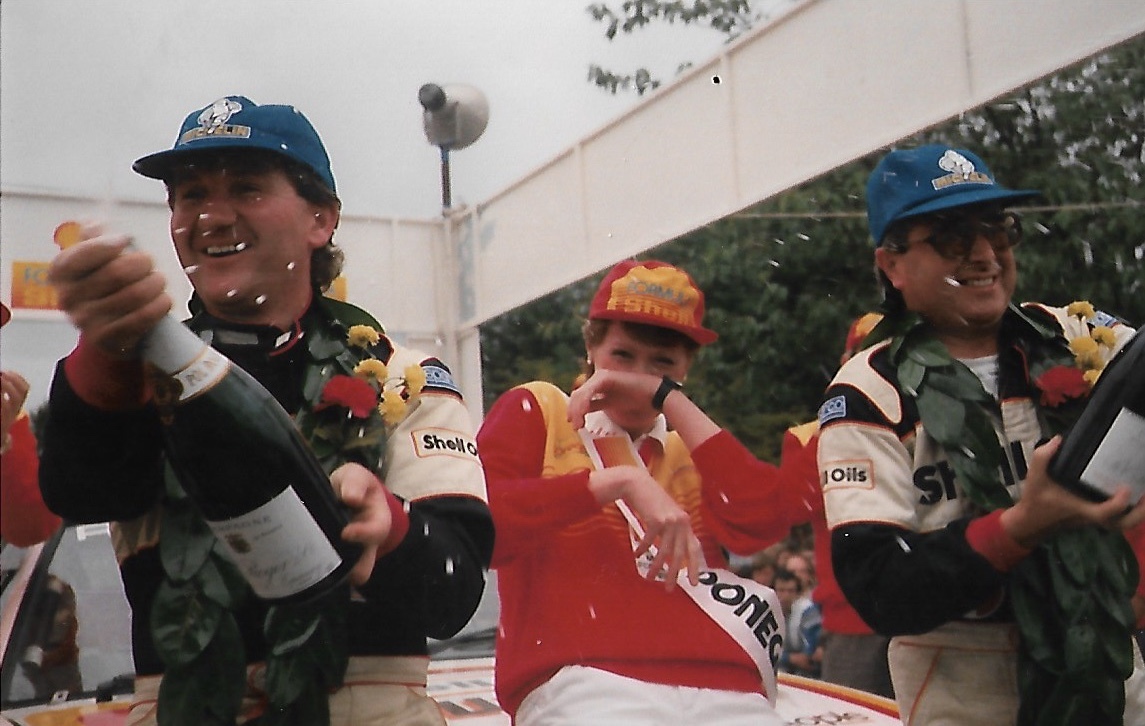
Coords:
903,582
436,576
95,465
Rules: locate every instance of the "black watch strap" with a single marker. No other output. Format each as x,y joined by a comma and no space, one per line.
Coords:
667,385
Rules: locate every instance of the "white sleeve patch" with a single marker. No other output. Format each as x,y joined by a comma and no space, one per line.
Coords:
444,442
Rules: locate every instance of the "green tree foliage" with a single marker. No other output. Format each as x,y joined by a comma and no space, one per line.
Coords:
729,17
785,278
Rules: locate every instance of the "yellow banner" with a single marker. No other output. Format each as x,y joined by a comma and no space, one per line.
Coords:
30,288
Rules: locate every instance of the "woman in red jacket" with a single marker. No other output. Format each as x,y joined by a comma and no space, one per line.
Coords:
611,508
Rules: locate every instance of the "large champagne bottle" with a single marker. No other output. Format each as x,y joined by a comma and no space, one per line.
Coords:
1105,447
247,468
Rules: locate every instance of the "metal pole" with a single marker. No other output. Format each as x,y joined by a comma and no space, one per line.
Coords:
446,196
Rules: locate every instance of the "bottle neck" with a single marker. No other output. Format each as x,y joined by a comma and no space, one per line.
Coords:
171,346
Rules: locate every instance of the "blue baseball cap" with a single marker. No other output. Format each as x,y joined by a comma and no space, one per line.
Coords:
236,122
911,182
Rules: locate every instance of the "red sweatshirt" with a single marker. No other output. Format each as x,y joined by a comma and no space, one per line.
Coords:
569,590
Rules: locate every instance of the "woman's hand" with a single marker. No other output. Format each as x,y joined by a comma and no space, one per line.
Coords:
667,526
612,389
13,393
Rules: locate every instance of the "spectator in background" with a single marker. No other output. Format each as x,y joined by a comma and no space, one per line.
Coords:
853,654
24,518
803,568
763,565
802,655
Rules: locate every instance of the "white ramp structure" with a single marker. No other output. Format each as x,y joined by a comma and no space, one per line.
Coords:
829,82
826,83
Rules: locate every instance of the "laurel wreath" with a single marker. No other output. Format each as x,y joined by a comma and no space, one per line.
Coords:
1071,595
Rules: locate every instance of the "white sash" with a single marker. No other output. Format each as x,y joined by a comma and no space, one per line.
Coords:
746,610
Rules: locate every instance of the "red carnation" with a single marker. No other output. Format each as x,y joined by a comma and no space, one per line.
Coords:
353,393
1060,383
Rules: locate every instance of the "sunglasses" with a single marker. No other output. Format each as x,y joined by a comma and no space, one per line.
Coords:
953,235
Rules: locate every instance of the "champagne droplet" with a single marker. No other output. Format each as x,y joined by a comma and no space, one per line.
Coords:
191,269
232,292
261,299
449,565
951,281
290,266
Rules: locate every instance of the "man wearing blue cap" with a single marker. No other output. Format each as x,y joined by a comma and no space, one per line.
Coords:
935,488
253,212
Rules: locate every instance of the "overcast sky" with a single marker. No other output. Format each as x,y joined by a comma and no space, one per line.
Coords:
87,86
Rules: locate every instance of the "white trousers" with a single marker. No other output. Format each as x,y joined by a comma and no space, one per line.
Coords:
581,696
961,674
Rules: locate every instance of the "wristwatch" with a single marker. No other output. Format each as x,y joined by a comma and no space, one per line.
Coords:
667,385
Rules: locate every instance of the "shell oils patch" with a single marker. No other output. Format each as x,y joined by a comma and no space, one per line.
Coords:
444,442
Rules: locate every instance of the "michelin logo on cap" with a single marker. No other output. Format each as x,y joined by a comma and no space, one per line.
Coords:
213,122
961,171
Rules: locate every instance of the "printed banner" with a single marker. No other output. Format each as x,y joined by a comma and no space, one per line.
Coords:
30,288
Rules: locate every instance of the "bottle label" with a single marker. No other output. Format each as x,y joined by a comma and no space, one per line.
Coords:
278,547
1119,459
201,374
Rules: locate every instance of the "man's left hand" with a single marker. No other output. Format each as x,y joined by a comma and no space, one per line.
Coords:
370,526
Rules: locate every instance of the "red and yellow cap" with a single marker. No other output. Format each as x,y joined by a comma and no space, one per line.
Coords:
652,293
860,328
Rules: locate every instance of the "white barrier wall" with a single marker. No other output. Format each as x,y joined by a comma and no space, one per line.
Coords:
831,81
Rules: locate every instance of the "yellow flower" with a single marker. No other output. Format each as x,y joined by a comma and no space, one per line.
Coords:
392,407
1091,376
1081,309
1105,336
362,336
372,368
1083,346
415,379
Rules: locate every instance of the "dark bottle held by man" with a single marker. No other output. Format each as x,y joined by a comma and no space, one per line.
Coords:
1105,447
242,461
